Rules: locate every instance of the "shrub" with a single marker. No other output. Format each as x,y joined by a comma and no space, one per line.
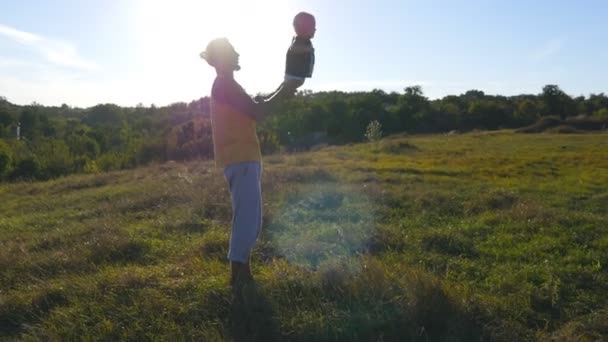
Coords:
6,158
374,131
28,168
601,112
151,151
54,157
541,125
564,129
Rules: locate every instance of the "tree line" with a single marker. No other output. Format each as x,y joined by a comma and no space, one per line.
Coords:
43,142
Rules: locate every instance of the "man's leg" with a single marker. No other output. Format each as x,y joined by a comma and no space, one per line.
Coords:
245,190
241,272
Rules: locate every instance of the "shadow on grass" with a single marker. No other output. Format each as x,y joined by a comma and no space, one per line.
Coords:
252,316
18,312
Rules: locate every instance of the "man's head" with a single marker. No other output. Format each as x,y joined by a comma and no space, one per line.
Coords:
221,55
305,25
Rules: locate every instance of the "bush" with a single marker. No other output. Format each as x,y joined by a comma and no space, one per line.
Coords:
6,158
541,125
151,151
90,167
84,146
110,161
269,142
570,125
374,131
54,157
602,112
588,123
563,129
28,168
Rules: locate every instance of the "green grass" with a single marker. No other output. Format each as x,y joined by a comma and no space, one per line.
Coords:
491,235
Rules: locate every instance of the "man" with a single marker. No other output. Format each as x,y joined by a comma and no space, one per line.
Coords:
233,120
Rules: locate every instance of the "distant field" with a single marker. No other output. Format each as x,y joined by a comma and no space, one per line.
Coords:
491,235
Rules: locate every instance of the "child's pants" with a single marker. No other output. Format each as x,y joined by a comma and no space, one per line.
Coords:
244,180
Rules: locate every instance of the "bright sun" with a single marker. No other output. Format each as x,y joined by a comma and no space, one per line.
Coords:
172,33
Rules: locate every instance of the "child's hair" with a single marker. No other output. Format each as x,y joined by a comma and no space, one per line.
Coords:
304,23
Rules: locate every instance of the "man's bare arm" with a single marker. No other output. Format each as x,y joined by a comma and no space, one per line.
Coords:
236,96
264,107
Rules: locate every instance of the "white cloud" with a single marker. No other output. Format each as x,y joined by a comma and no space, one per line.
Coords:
56,86
66,55
16,63
19,36
55,51
548,49
57,89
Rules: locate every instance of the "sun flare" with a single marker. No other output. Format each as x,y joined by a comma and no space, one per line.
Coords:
172,33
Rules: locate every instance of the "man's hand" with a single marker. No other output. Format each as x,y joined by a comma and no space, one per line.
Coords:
282,92
267,105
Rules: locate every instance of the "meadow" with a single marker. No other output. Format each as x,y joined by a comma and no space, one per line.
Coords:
493,236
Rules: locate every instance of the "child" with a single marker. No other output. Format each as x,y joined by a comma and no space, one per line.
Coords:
300,59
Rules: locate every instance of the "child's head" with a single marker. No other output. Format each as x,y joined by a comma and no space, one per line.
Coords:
305,25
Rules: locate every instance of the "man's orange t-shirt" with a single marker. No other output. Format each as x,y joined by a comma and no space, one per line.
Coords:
233,124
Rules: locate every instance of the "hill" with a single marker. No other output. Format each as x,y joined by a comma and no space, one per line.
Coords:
576,124
41,143
497,235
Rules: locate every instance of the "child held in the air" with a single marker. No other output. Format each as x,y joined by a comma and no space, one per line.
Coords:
300,59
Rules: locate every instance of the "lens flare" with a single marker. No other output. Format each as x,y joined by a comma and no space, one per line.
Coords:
321,223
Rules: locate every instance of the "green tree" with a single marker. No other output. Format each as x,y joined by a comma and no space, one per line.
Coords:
6,119
597,102
556,101
414,91
30,122
411,108
601,112
186,134
27,168
105,115
527,112
473,95
154,150
82,145
6,158
583,107
53,156
486,113
108,126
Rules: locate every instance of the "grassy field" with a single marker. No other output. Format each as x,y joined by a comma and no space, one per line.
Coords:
483,236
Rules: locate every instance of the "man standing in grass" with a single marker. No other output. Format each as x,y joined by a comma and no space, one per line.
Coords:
237,150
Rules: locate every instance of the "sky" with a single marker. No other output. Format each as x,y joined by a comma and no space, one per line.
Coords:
128,52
